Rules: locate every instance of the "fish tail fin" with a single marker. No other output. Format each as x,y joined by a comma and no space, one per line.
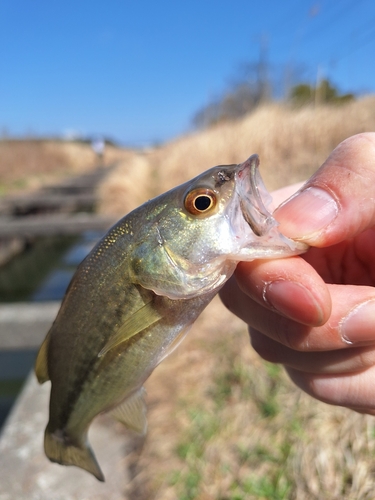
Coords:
61,448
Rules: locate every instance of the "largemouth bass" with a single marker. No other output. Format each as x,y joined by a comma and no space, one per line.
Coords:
133,298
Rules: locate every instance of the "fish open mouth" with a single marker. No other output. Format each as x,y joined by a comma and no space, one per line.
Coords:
250,187
254,201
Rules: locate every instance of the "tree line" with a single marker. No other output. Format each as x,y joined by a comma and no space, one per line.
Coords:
247,94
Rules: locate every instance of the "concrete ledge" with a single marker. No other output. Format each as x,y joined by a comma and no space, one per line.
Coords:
26,473
24,325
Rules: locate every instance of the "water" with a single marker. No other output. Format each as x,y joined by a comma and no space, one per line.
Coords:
25,273
40,274
14,368
55,283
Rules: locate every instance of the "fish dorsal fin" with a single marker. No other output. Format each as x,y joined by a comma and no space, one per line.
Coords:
41,363
136,323
132,412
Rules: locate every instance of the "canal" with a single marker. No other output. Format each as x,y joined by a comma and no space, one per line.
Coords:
39,274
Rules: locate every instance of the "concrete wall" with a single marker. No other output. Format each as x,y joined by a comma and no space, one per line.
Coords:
25,472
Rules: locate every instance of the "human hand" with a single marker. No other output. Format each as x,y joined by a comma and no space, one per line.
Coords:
315,313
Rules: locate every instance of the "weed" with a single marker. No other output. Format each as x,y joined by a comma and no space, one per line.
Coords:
191,485
276,488
227,381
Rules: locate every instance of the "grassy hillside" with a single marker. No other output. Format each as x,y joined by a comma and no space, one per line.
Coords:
28,164
224,425
291,143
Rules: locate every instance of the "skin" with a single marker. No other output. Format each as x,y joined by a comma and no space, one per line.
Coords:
315,313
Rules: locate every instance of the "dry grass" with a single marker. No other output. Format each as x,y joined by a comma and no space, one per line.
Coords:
223,425
29,164
291,144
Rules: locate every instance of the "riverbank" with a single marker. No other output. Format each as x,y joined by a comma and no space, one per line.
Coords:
60,209
29,164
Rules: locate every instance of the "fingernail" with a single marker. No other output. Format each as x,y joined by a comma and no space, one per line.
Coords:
307,213
359,324
283,296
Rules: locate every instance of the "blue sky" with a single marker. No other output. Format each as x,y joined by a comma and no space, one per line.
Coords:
137,71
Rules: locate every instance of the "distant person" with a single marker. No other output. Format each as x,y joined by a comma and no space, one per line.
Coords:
98,146
315,313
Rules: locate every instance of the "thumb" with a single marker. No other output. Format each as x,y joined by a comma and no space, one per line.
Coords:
338,201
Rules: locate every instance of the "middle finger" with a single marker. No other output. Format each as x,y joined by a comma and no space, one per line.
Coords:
329,362
293,334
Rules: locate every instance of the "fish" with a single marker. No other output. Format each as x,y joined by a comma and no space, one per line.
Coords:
135,296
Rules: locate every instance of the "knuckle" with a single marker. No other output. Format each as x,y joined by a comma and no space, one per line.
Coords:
292,335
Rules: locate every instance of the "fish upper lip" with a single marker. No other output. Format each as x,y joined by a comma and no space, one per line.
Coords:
252,205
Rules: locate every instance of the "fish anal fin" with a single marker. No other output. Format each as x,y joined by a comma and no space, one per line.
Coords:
135,323
60,448
132,412
41,363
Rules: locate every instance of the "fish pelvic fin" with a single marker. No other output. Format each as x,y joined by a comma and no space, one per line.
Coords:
132,412
60,448
41,363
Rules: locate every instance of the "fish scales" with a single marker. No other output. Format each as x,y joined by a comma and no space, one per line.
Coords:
137,293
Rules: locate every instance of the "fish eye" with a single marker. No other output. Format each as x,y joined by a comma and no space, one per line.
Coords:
200,201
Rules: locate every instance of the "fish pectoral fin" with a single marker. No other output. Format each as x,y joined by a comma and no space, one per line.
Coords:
41,363
132,412
136,323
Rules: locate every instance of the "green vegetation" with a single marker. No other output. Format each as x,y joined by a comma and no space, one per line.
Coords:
324,93
254,87
205,425
256,469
